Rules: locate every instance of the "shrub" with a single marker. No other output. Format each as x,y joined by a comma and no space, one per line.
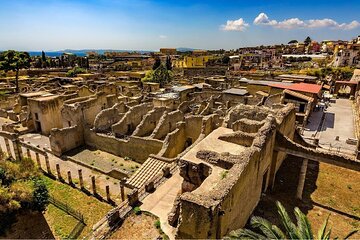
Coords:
157,224
137,210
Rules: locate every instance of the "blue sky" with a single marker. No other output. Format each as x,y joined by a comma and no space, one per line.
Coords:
149,25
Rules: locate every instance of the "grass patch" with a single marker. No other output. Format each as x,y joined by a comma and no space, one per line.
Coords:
92,209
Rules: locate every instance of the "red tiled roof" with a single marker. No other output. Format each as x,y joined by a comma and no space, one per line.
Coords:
300,87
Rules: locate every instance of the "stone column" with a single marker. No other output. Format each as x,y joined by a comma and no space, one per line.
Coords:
28,154
93,185
16,150
122,189
58,171
69,178
302,178
38,160
108,198
47,164
133,197
81,179
7,144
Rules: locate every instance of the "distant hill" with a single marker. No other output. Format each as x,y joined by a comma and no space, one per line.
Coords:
82,52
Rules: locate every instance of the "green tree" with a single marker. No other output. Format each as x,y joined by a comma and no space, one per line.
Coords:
14,61
168,63
307,41
40,195
161,75
75,71
157,63
299,230
292,42
43,59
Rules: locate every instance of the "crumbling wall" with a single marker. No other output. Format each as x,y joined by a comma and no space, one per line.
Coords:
228,205
66,139
149,122
167,124
127,125
136,148
174,142
107,117
193,126
84,91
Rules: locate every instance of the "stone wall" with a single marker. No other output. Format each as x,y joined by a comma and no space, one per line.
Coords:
66,139
127,125
107,117
228,204
136,148
167,123
149,122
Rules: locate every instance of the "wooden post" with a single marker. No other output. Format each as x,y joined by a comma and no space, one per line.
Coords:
122,189
81,179
47,164
93,184
58,171
108,193
69,178
28,154
302,178
38,160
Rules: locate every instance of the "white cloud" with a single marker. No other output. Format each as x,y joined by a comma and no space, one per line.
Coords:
235,25
163,36
294,23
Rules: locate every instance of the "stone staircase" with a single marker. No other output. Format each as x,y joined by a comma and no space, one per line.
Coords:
149,169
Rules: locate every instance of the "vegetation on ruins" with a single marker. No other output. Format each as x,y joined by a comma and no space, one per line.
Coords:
14,61
159,75
339,73
21,188
300,230
75,71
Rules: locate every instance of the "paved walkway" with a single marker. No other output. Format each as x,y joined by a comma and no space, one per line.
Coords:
339,121
161,202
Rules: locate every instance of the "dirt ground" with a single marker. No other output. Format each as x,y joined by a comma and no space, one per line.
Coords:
328,190
103,160
138,227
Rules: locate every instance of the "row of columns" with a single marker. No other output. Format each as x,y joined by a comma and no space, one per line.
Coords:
93,183
19,154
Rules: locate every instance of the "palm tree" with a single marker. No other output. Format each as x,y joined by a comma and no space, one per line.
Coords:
301,230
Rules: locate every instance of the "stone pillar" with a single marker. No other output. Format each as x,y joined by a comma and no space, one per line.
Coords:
47,164
28,154
38,160
93,185
7,144
16,150
58,171
69,178
108,198
302,178
81,179
122,189
166,172
133,197
149,187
